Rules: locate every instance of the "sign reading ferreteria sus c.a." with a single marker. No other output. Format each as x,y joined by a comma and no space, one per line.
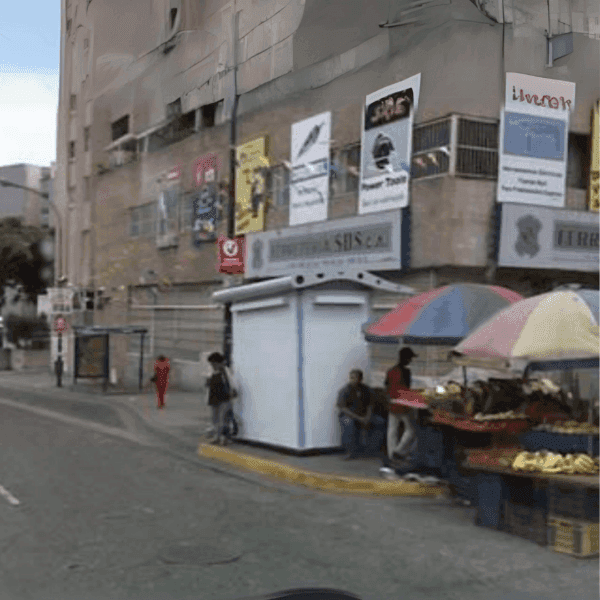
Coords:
538,237
370,242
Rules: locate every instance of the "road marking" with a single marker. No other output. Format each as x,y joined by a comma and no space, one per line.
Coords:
114,431
4,492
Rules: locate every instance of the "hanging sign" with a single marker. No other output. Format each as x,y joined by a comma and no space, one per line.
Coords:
231,255
534,130
538,92
206,168
250,186
387,146
309,184
204,215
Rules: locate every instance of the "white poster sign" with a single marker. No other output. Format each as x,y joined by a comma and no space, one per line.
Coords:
387,146
309,181
526,90
533,156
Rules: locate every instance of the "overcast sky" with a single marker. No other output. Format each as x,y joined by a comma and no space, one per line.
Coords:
29,69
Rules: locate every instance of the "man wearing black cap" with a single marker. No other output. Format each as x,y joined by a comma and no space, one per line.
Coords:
397,380
220,394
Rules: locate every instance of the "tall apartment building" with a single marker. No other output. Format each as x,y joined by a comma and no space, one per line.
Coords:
145,123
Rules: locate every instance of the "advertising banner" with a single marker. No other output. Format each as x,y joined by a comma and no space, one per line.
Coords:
372,242
250,186
545,238
526,90
387,146
90,360
205,214
533,157
594,196
534,133
309,182
231,255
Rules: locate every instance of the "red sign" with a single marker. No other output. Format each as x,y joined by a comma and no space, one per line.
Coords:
60,325
231,255
206,168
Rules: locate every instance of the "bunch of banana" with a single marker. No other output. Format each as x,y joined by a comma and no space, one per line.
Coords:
549,462
499,416
570,427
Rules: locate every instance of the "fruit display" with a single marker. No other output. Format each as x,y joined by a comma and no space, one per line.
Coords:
549,462
570,427
499,416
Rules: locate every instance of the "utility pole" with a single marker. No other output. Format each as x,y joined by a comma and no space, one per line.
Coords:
227,349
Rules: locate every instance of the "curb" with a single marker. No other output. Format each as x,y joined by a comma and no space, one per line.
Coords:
318,481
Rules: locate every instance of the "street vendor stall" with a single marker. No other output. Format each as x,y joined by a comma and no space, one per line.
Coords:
544,486
442,316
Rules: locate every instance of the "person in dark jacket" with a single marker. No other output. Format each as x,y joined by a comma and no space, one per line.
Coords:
219,397
355,410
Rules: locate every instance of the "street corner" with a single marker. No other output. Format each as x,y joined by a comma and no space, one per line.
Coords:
326,482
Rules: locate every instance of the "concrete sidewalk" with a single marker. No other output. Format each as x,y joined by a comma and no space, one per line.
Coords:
187,419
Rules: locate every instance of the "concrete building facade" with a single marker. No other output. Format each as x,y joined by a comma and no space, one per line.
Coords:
145,103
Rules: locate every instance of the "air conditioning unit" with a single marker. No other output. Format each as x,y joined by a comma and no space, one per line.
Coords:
167,240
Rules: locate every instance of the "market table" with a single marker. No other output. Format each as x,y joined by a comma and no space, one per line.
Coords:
548,508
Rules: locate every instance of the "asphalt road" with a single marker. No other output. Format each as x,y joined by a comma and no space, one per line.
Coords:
107,512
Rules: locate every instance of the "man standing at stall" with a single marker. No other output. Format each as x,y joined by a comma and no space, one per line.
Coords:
397,380
355,409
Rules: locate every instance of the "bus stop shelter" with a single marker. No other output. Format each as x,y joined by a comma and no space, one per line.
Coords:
92,352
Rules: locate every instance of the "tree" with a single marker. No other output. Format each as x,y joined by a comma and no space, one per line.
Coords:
21,260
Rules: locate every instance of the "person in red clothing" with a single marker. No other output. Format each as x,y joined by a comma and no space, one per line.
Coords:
161,378
398,379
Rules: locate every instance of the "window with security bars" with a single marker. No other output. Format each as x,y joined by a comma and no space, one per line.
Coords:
477,148
431,149
344,169
168,205
143,220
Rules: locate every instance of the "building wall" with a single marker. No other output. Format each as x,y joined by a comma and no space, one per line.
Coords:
288,69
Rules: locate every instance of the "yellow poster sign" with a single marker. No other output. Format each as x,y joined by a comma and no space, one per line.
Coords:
594,202
250,186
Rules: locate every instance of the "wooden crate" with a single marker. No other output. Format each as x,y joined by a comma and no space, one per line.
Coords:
528,522
574,537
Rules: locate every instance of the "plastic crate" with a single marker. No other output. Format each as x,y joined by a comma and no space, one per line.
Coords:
533,441
572,536
573,502
529,522
491,495
463,485
431,444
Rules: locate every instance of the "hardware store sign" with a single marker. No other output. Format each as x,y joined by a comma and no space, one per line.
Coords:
368,243
544,238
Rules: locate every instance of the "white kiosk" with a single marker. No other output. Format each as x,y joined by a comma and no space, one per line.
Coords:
295,339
